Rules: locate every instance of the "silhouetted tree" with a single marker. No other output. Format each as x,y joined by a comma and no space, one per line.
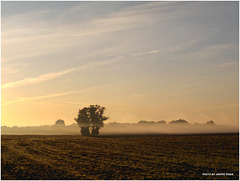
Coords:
83,121
145,122
96,118
60,122
142,122
162,122
179,121
210,123
91,119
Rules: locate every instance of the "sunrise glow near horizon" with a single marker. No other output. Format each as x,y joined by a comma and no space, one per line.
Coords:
141,60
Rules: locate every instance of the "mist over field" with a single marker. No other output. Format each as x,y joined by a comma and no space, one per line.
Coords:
122,129
165,129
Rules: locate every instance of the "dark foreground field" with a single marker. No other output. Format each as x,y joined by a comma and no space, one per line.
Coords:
120,157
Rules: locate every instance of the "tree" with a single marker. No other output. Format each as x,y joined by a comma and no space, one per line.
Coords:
60,122
145,122
90,119
162,122
210,123
179,121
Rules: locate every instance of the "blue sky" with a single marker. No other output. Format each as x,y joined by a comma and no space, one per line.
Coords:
142,60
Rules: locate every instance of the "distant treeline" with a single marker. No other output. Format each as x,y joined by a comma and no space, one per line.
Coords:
114,128
60,123
179,121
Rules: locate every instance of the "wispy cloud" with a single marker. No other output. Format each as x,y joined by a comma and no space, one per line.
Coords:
72,102
20,99
145,53
19,31
38,79
54,75
228,64
48,96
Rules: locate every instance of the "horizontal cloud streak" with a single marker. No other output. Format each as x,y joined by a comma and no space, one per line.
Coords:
34,98
20,99
38,79
228,64
16,35
54,75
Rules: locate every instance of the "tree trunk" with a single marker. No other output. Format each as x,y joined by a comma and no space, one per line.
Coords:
85,131
95,130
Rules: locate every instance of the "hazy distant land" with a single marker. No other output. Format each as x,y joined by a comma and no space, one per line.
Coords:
122,128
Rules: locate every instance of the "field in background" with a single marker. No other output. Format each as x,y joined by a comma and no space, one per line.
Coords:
119,157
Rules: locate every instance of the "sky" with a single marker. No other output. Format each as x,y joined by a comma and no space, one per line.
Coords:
141,60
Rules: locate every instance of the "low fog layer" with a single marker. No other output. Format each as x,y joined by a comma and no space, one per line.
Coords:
121,129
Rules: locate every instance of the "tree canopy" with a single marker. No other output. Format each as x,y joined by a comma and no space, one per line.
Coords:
210,123
60,122
179,121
